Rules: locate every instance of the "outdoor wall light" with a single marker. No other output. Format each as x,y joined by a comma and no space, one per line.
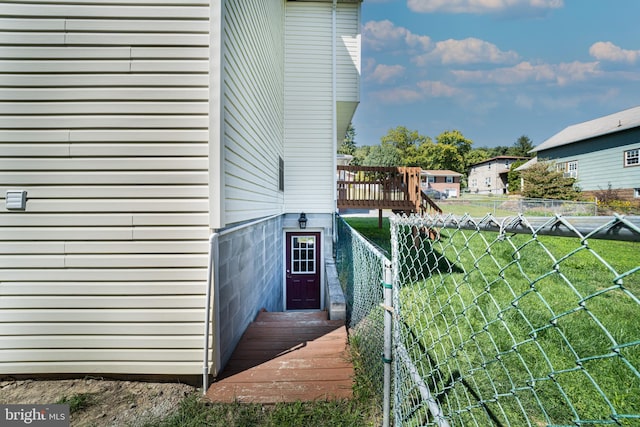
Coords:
302,221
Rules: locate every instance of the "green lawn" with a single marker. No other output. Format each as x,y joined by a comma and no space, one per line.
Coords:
520,330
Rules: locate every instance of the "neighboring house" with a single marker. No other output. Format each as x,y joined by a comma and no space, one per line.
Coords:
490,176
599,153
445,181
166,151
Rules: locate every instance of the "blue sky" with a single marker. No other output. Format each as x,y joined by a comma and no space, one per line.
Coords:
495,69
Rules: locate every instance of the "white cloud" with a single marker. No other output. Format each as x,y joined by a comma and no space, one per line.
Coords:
400,95
384,73
467,51
384,34
433,89
607,51
561,74
480,6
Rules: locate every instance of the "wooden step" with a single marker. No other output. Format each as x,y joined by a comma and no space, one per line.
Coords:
287,357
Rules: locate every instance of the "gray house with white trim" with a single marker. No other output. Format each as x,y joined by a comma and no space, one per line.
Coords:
599,153
155,158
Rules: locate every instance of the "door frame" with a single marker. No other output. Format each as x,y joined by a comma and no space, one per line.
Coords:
286,230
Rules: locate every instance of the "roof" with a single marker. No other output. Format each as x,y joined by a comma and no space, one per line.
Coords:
498,158
527,165
445,172
623,120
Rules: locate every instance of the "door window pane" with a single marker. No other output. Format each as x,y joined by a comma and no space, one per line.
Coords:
303,254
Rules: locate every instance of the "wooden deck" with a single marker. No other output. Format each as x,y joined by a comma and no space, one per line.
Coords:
287,357
373,187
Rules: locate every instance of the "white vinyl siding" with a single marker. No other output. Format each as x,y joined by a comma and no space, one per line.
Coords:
348,52
309,134
309,171
253,108
104,122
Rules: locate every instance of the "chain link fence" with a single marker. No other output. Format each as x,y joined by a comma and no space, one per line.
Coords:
504,322
360,271
532,207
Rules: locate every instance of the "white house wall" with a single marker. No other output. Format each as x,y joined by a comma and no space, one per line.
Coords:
309,103
104,122
253,108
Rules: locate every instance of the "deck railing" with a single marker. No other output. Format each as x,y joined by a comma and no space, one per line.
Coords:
374,187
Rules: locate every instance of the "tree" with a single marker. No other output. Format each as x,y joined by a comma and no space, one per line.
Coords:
514,176
360,154
522,147
455,139
450,150
476,156
403,138
543,181
384,154
348,144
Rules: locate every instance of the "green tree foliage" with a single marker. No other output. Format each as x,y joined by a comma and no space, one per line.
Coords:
521,147
348,144
450,151
360,154
513,177
475,156
542,180
402,138
384,154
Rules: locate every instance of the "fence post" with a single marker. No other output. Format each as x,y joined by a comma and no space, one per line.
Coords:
386,357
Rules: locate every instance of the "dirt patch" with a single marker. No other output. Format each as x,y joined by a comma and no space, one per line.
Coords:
100,402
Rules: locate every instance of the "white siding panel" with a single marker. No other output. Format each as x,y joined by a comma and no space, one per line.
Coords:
115,192
98,356
104,94
74,315
62,108
104,342
104,122
117,82
111,288
253,108
16,178
145,367
113,164
105,328
308,100
74,275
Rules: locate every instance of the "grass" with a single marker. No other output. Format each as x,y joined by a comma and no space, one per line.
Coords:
78,401
368,227
517,330
194,411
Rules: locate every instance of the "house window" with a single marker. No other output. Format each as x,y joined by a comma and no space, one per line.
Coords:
431,179
487,181
280,174
474,182
636,193
569,169
449,180
632,157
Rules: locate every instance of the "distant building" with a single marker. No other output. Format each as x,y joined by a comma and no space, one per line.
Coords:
445,181
599,153
490,176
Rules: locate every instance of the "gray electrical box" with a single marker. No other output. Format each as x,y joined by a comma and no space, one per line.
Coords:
16,200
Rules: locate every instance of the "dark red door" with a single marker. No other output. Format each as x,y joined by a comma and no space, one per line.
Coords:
303,271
